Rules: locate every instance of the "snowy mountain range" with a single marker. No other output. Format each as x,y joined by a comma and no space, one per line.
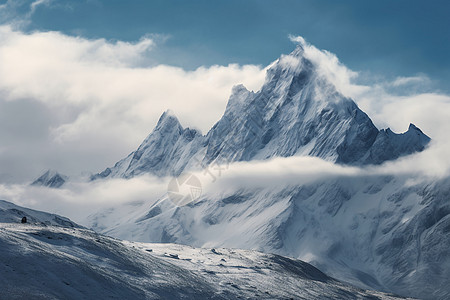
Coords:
48,260
377,231
298,111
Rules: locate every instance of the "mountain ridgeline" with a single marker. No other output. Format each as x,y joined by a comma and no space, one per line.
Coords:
298,111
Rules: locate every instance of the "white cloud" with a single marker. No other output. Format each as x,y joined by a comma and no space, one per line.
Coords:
78,200
273,173
35,4
18,13
400,81
291,171
103,97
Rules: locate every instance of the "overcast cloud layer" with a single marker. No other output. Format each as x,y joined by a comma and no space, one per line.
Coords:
79,199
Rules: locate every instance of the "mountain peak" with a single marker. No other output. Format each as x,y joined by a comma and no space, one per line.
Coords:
293,62
299,51
238,89
50,178
168,119
238,98
414,127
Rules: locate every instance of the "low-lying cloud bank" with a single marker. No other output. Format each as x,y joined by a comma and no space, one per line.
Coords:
78,200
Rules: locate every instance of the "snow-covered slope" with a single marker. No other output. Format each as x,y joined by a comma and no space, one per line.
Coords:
298,111
11,213
383,232
51,179
49,262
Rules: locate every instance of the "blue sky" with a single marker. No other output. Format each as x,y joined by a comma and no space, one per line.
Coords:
383,38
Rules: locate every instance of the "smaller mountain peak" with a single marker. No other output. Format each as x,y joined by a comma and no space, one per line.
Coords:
239,96
413,130
50,178
168,119
238,89
167,114
413,127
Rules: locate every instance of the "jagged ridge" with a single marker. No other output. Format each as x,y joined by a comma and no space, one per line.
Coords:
296,112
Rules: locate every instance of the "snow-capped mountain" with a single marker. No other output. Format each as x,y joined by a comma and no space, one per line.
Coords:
65,262
298,111
376,231
51,179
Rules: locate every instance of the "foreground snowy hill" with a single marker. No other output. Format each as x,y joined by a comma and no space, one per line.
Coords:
11,213
60,262
298,111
